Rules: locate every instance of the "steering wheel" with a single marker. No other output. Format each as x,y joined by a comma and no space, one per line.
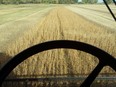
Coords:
105,59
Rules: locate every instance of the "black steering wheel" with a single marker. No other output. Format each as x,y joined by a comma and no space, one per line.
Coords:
105,59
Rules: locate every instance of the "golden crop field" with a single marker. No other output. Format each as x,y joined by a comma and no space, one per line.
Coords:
60,23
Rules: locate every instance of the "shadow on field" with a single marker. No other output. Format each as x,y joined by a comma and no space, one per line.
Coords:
4,58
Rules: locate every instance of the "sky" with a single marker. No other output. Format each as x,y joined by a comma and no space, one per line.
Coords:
101,0
98,0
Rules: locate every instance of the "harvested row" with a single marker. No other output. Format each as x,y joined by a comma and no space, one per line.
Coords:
98,14
62,24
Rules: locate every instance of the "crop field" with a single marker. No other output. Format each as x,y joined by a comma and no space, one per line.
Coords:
23,26
96,13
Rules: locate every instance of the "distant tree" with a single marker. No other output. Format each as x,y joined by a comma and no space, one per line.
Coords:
1,1
61,1
33,1
6,1
18,1
75,1
109,1
90,1
37,1
85,1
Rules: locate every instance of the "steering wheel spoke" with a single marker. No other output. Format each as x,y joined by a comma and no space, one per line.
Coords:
88,81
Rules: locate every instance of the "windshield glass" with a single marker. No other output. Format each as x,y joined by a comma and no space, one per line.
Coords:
24,23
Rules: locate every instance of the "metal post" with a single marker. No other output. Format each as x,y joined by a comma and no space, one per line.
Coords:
114,2
26,82
110,9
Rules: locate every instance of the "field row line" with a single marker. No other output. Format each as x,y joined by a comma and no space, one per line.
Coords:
29,15
58,79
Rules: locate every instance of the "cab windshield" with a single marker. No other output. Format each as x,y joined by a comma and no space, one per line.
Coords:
24,23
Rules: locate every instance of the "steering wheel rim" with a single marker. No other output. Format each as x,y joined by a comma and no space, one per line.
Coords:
104,57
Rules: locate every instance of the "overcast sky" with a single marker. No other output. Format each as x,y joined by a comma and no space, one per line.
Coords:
98,0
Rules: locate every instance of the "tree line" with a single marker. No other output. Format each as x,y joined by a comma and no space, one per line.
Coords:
49,1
